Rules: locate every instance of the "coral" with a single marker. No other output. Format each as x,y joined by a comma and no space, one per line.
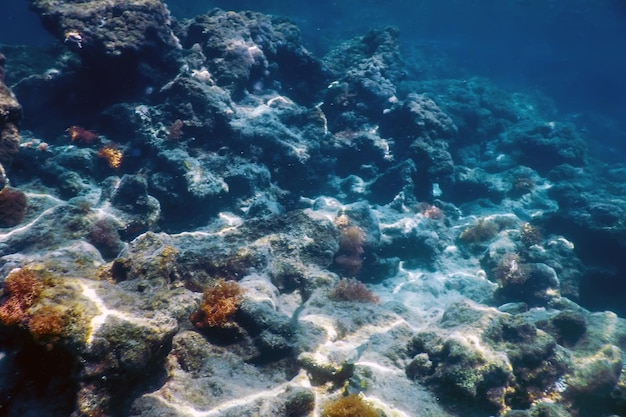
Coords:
350,406
218,305
349,289
12,207
47,324
81,136
348,258
21,289
111,154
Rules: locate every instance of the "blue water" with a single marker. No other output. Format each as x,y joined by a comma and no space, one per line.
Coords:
572,51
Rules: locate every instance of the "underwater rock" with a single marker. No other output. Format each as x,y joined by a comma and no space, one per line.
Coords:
468,184
129,196
397,180
251,52
279,126
513,362
480,109
113,51
204,110
418,242
532,283
10,116
366,70
416,117
567,327
590,213
595,376
371,225
205,376
110,31
272,332
104,335
544,146
54,225
149,261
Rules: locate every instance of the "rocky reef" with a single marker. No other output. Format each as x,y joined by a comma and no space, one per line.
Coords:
200,217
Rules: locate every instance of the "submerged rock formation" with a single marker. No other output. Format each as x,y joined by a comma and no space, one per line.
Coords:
10,115
252,230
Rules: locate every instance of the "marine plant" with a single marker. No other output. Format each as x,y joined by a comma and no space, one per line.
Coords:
13,205
21,290
349,256
350,289
530,235
105,237
111,154
431,212
22,304
351,405
481,231
81,136
219,303
175,131
509,270
47,323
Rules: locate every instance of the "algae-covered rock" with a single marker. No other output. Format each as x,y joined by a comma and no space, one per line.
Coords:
510,364
109,29
10,115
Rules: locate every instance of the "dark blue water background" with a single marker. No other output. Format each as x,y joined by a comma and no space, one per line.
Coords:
572,50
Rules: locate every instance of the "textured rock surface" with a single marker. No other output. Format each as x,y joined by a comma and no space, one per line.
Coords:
10,115
109,29
282,230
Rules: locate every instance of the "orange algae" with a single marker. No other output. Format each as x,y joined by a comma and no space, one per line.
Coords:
111,155
21,290
219,303
350,406
81,135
